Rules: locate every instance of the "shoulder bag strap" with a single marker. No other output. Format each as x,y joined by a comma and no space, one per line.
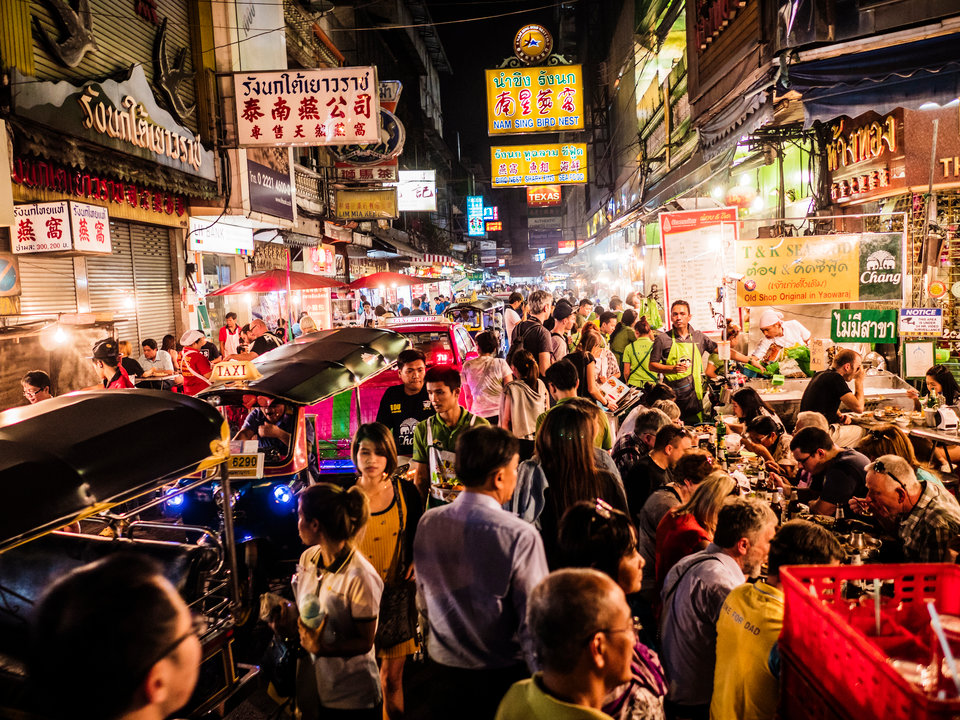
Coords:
398,552
673,588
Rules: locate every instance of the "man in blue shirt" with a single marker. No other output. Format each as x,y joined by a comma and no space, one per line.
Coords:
476,566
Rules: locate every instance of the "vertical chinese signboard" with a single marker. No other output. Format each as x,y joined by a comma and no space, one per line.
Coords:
541,99
329,106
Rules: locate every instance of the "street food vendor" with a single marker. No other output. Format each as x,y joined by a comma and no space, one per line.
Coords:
777,334
678,354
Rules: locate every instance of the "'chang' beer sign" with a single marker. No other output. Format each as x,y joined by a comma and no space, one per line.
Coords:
121,115
819,269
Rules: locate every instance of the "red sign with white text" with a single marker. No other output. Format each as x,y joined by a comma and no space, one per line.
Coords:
543,195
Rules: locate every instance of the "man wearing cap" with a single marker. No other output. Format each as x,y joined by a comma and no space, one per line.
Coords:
562,324
194,364
777,334
106,360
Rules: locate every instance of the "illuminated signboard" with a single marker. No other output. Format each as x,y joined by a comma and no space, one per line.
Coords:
529,100
565,247
516,165
491,213
544,196
417,191
539,255
494,226
475,216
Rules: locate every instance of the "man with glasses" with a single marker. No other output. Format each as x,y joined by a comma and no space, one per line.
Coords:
926,516
583,635
838,473
147,644
693,594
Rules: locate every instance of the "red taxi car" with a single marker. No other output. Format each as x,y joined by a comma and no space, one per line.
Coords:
442,341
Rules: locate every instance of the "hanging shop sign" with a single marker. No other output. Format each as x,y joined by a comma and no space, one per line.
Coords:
527,100
9,276
937,289
271,188
698,247
491,212
544,196
865,156
220,237
376,162
517,165
60,227
380,204
323,106
921,322
863,326
417,191
270,256
565,247
51,177
322,260
493,225
385,172
548,239
550,222
821,269
119,114
475,216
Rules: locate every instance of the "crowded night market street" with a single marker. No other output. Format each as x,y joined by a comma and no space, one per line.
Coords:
479,359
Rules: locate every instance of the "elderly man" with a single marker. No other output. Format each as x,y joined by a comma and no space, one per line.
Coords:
261,341
926,516
777,334
837,473
693,594
579,667
531,332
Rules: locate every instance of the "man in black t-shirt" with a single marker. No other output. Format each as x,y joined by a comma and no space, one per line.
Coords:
828,390
531,332
263,341
838,474
652,471
403,406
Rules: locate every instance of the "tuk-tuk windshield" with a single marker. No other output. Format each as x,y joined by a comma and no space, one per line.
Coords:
272,423
435,345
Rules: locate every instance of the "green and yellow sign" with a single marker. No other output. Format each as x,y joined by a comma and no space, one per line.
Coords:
819,269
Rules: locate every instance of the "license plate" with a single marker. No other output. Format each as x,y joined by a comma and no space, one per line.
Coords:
246,466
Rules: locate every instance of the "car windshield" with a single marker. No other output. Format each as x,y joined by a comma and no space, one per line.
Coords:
435,345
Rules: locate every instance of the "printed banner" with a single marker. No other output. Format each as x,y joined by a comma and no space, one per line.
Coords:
921,322
61,226
367,204
516,165
325,106
820,269
863,326
540,99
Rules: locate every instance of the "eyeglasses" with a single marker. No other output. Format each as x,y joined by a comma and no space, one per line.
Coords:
635,627
30,394
198,626
803,460
879,467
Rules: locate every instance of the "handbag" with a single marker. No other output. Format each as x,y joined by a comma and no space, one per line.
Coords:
397,622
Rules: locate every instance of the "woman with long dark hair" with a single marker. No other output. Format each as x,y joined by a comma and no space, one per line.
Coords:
523,401
387,542
747,404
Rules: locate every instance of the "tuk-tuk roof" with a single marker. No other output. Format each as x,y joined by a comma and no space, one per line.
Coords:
69,457
319,365
482,303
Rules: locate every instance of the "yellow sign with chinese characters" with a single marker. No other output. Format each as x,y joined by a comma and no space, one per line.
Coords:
539,99
367,204
519,165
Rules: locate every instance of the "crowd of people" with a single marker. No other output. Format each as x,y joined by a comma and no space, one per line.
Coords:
548,567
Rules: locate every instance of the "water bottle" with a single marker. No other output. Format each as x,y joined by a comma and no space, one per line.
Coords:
310,613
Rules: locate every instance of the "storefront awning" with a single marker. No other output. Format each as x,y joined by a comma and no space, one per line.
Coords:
753,108
906,75
396,239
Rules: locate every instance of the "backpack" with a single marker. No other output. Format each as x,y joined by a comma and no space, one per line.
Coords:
520,332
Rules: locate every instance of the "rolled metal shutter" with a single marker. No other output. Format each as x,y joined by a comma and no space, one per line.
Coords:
47,285
151,272
110,283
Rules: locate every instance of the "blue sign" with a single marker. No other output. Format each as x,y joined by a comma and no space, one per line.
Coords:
475,226
9,275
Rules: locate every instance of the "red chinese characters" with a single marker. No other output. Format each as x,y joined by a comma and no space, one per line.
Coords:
505,104
524,96
251,110
335,104
308,109
281,110
566,98
545,101
25,231
54,229
83,232
361,106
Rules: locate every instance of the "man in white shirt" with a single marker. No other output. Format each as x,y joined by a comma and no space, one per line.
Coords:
512,313
777,332
157,365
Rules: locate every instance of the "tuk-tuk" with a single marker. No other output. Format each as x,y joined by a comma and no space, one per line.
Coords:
102,459
483,313
285,388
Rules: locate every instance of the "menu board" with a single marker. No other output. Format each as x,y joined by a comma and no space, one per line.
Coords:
698,251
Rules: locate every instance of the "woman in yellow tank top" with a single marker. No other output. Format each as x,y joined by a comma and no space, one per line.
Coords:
387,539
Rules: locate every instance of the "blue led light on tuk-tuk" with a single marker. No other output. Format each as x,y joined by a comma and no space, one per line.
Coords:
176,501
282,494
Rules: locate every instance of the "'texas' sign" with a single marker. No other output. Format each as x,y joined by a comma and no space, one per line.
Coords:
544,195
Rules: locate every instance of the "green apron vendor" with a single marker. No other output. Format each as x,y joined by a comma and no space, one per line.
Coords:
678,354
435,439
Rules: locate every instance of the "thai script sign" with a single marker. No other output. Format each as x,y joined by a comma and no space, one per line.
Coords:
517,165
59,227
863,326
921,322
378,204
475,216
820,269
327,106
865,156
543,99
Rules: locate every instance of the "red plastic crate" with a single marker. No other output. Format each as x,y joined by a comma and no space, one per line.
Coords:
834,639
